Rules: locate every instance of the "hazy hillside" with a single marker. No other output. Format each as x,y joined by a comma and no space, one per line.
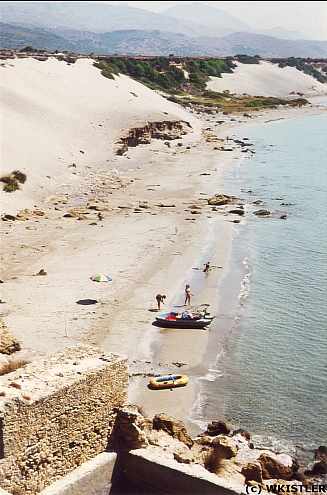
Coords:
90,17
216,21
268,46
184,29
12,36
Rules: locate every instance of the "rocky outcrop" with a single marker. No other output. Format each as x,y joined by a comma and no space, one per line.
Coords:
252,472
8,343
222,448
166,130
319,468
280,466
130,430
173,427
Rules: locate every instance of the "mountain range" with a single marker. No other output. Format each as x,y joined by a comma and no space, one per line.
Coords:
184,29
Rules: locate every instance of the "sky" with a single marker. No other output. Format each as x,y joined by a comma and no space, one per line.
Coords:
308,18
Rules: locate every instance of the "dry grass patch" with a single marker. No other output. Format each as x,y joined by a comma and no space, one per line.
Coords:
12,366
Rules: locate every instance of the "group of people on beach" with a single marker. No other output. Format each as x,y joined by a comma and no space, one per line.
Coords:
160,298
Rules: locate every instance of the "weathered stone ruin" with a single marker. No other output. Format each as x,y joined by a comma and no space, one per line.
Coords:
57,413
65,429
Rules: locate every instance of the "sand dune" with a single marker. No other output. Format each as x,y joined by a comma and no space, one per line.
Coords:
267,79
53,112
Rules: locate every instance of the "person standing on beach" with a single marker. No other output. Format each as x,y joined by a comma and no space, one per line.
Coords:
160,300
188,294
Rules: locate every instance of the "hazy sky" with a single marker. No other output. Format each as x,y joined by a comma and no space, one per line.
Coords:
309,18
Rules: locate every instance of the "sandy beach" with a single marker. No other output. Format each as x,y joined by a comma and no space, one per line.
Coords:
155,228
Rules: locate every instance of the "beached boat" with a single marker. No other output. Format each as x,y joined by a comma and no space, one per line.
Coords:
176,320
168,381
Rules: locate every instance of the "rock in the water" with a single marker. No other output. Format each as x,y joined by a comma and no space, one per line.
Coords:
277,466
237,211
262,213
218,428
283,217
252,472
173,427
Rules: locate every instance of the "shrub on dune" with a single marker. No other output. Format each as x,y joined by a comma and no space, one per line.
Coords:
11,181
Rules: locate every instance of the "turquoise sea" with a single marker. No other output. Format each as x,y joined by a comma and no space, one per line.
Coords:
268,372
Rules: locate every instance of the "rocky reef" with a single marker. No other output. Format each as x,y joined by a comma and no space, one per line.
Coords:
166,130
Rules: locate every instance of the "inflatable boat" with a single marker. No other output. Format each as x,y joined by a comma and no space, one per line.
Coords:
168,381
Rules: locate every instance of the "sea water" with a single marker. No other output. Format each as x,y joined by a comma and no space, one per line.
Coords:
270,370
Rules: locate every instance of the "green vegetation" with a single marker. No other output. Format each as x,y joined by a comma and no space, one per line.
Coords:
185,80
248,59
11,182
20,176
229,103
167,74
302,64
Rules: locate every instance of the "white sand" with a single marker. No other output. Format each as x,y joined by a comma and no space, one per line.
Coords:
51,110
267,79
48,117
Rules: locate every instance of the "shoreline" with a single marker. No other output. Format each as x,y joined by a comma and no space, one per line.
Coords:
167,245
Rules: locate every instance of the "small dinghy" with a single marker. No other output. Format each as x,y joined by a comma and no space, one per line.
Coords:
167,381
183,320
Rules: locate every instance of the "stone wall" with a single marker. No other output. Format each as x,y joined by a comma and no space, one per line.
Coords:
146,474
56,414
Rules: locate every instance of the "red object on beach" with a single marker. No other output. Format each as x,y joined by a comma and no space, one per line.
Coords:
171,316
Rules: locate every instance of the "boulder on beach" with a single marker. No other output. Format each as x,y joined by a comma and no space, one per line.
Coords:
221,199
173,427
130,430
